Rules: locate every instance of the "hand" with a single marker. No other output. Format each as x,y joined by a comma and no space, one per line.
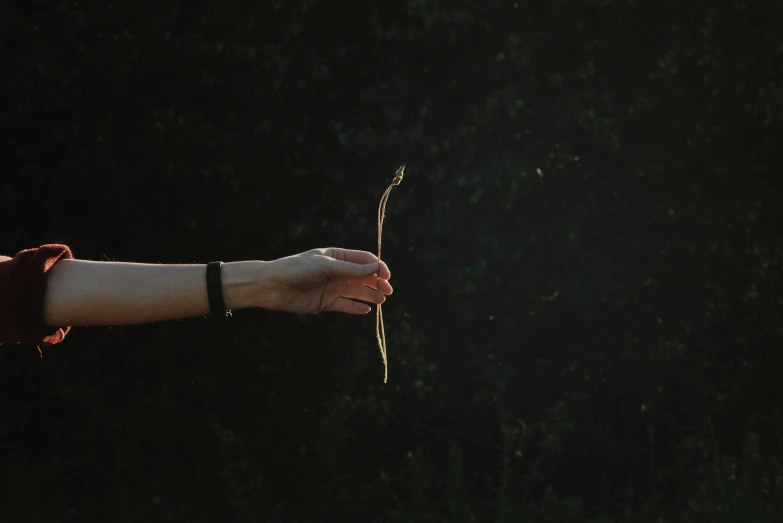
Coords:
327,280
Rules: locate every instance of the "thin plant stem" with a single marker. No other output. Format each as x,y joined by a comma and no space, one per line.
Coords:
380,332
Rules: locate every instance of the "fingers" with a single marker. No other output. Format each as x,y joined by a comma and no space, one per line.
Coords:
384,287
384,273
360,292
375,284
350,307
342,269
359,257
353,256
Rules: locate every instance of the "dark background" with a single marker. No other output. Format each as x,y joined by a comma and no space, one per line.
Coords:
586,256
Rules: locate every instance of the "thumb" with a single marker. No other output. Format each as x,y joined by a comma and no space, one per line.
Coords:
342,269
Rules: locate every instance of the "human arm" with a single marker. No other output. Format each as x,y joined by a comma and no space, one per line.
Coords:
81,292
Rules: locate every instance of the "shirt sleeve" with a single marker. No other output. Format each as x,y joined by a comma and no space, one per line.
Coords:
23,281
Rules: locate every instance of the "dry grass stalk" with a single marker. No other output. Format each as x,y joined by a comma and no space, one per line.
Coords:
379,329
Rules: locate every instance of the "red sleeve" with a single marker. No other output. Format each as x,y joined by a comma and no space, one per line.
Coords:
22,288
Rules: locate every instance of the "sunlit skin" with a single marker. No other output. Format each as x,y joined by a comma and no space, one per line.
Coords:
312,282
83,292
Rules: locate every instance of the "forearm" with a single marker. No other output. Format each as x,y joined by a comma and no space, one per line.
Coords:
81,292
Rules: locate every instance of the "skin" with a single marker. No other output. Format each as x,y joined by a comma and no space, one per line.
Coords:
82,292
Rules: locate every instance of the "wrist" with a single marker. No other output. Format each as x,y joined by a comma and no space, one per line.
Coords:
244,284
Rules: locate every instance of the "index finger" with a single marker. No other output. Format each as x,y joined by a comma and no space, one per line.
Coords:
361,257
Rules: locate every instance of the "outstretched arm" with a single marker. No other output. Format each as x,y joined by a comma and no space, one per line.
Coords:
81,292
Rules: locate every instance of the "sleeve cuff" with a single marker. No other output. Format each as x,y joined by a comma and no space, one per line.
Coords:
32,291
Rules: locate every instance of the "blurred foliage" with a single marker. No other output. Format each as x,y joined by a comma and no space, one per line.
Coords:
585,252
